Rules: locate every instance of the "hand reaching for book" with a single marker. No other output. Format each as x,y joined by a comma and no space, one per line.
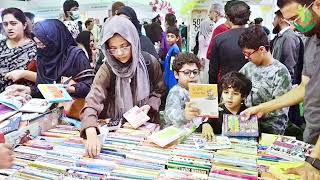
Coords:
191,112
6,156
207,132
255,110
92,144
306,171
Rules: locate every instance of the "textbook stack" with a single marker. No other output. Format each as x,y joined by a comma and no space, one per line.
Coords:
239,162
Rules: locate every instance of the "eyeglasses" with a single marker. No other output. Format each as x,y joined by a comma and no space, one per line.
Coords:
248,54
195,72
304,16
171,36
123,50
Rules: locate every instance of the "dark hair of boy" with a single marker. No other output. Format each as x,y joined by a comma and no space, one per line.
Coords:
116,6
238,12
174,30
88,22
68,4
171,19
254,37
238,82
282,3
258,20
185,58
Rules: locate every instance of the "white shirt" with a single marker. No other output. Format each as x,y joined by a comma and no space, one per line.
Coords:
219,22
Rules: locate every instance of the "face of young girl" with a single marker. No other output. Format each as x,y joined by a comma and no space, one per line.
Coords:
119,48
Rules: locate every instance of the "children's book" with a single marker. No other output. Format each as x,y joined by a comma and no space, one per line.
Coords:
233,125
54,93
10,124
136,117
290,149
205,98
167,136
278,170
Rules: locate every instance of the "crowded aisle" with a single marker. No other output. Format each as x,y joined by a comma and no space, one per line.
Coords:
160,90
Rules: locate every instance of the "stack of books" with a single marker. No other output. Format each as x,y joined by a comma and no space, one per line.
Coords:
239,162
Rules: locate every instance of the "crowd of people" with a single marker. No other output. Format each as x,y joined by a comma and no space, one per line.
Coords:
144,66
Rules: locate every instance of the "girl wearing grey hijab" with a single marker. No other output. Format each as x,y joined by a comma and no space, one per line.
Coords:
121,83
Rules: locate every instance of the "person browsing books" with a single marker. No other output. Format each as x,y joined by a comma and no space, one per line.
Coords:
58,59
269,78
6,159
128,78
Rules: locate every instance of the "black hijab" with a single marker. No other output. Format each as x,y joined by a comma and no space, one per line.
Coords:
128,11
59,54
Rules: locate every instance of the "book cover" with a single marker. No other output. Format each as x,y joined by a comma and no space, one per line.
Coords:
166,136
54,93
10,124
205,97
12,100
290,149
6,112
136,117
278,170
234,126
220,142
36,105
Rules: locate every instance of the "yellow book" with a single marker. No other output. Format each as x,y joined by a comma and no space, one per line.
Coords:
205,97
278,170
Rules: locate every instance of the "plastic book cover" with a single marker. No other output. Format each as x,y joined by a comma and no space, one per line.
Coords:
136,117
10,124
36,105
205,97
220,142
233,125
290,149
166,136
54,93
6,112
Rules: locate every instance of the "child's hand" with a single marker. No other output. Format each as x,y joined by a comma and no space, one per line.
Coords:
207,132
191,112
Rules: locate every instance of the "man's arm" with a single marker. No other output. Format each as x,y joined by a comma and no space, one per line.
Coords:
292,97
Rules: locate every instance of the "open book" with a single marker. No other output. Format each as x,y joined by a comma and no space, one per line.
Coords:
234,126
136,117
167,135
205,98
54,93
23,103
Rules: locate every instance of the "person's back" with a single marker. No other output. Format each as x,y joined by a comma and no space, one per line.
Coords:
226,53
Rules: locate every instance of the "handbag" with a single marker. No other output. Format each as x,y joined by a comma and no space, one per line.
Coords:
72,109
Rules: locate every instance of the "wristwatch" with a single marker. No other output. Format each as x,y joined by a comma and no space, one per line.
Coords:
313,161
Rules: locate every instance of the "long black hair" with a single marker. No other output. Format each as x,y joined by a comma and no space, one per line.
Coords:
84,39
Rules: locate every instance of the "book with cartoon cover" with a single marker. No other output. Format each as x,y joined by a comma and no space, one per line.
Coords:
205,98
233,126
54,93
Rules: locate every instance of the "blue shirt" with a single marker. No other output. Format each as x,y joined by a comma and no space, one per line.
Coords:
169,78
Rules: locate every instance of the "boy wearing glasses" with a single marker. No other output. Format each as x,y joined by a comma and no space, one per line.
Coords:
269,78
172,39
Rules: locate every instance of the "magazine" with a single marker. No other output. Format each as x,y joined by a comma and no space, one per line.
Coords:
205,98
234,126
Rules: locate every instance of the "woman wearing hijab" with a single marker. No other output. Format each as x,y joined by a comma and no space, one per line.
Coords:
146,43
122,82
205,32
59,58
17,50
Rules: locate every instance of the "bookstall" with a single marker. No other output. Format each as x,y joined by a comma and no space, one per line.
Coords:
47,148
